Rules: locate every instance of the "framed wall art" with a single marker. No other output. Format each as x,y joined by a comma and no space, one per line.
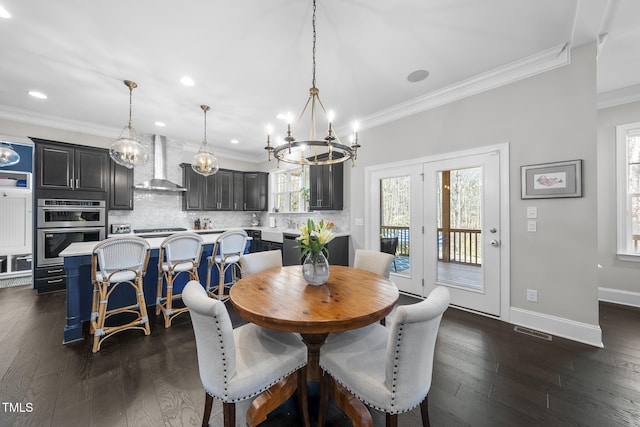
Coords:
552,180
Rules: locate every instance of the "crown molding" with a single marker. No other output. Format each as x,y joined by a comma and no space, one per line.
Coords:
618,97
39,119
541,62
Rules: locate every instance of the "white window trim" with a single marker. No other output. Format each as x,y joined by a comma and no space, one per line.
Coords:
624,249
274,185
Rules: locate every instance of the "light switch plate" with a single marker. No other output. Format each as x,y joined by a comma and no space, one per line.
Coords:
358,221
532,212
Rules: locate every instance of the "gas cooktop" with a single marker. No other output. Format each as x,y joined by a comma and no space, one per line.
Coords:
158,230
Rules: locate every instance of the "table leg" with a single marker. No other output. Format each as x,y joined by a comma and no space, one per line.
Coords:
313,343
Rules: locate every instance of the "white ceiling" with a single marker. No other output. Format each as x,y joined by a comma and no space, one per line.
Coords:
251,59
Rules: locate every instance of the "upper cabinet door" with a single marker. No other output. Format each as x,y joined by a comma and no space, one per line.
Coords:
238,191
192,199
255,191
121,187
54,167
91,170
326,187
225,190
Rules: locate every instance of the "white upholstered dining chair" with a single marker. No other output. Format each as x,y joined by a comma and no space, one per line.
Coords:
373,261
260,261
388,369
238,364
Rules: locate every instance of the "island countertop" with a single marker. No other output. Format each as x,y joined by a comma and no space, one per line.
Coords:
86,248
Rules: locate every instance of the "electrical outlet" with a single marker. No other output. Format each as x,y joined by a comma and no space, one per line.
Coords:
532,295
532,226
358,221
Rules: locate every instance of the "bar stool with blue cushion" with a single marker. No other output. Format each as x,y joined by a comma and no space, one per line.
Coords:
226,255
238,364
179,253
260,261
388,369
115,262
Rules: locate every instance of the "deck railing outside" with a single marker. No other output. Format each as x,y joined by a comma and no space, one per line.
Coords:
465,246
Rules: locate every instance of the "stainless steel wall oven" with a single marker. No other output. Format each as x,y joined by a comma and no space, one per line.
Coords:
60,222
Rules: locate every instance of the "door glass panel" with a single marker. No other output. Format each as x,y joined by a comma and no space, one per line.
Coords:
459,236
395,217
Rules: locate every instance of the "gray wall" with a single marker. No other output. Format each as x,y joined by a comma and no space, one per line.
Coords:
614,274
547,118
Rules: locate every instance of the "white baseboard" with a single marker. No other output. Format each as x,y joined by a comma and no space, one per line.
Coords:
619,296
565,328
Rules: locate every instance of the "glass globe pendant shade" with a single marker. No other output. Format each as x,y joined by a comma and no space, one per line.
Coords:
204,162
8,156
127,150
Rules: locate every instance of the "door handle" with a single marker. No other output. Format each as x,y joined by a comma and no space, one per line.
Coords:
494,242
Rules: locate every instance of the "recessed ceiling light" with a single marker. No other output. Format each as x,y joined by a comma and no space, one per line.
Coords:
37,94
159,124
234,141
417,76
187,81
4,13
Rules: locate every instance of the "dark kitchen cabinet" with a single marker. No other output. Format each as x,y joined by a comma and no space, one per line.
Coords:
193,198
326,187
256,240
225,190
339,251
238,191
218,191
255,191
120,187
68,167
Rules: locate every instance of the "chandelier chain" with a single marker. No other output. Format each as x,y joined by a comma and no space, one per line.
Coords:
313,22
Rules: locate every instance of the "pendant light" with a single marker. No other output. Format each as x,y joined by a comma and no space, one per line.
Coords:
8,156
205,162
127,150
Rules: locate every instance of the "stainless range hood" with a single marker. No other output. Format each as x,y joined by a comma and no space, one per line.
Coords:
159,181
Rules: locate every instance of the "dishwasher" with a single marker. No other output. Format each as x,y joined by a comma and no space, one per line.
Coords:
290,249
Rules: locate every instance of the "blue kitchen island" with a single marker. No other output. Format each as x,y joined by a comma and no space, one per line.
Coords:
77,262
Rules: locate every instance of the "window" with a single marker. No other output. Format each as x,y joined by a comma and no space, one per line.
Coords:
628,175
291,190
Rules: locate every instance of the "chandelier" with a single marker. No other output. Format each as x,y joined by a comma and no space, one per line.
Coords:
314,151
127,150
205,162
8,156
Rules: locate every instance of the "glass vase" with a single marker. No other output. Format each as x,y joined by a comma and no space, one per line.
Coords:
315,269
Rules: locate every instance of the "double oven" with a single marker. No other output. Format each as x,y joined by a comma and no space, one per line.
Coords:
60,222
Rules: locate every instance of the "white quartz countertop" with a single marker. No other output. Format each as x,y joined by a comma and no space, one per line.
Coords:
86,248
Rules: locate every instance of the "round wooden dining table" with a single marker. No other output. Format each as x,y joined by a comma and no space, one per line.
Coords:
281,299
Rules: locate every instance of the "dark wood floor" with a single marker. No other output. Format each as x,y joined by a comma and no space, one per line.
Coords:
485,374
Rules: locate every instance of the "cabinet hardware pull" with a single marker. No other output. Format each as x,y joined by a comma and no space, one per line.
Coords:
77,183
54,271
71,183
245,206
55,281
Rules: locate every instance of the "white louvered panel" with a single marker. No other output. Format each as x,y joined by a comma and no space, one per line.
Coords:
15,220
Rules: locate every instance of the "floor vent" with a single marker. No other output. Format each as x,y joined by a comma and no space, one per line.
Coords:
532,333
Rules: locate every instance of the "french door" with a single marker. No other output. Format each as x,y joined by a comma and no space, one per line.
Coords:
463,229
448,216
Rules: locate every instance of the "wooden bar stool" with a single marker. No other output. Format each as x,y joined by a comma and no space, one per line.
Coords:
179,253
226,254
114,262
